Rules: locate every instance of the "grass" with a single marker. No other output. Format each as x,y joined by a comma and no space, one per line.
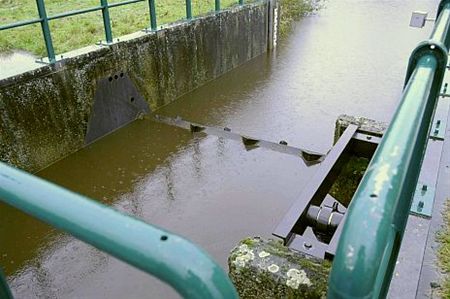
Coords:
82,30
444,253
293,10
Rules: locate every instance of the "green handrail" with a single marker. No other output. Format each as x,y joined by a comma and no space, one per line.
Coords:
174,260
377,216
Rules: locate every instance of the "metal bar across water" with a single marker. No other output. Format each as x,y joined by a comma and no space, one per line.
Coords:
376,220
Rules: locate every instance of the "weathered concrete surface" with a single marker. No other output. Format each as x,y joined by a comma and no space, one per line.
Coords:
44,113
266,269
365,125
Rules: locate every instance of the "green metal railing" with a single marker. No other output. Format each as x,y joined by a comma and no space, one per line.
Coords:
377,216
103,7
174,260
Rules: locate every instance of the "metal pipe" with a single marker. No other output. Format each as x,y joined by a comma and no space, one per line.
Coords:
217,5
75,12
441,29
106,21
152,9
188,9
372,233
20,24
174,260
117,4
46,31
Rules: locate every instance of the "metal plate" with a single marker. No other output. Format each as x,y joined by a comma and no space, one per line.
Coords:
422,204
116,103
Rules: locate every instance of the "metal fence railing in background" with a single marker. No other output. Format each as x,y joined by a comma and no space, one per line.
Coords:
103,7
376,218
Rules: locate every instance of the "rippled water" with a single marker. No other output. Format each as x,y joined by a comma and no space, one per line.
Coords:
351,58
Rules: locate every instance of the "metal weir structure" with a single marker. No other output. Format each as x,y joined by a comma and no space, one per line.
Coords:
376,218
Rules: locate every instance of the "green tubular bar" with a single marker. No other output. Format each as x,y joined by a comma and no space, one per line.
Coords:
377,216
152,9
217,5
106,21
46,31
188,9
174,260
20,24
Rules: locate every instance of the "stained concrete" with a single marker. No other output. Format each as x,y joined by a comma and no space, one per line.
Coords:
45,112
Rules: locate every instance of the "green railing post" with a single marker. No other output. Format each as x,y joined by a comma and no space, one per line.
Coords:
152,9
46,31
188,9
217,5
241,2
5,292
106,21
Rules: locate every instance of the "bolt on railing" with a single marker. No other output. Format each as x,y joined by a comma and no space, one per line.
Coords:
173,259
376,218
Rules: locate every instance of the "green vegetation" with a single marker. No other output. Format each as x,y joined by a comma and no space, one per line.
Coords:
444,253
348,180
293,10
82,30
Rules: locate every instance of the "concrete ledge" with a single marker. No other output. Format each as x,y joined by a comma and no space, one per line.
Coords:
265,269
365,125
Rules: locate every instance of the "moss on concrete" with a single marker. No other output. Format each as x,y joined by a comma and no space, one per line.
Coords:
348,180
267,269
45,112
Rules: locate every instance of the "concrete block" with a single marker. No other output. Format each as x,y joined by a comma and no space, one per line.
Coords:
263,269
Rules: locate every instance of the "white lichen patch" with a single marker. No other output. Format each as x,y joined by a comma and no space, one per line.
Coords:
296,278
263,254
273,268
243,255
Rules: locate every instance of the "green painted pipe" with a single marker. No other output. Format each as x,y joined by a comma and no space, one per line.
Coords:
152,9
46,31
106,21
174,260
376,219
188,9
217,5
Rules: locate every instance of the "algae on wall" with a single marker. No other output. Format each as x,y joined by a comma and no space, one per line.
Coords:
293,10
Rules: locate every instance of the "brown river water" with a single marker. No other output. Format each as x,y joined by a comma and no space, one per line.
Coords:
350,58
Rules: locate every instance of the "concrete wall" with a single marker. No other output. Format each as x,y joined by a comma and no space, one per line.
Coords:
45,113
